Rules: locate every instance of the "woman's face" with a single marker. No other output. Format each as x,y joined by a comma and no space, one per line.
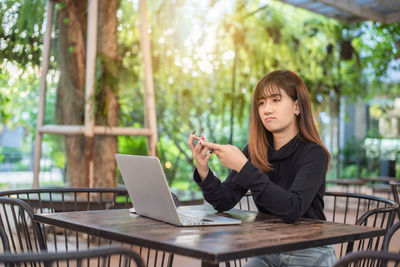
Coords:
278,113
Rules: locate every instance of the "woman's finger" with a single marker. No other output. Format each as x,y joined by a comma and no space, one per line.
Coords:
208,156
190,141
203,151
210,145
198,148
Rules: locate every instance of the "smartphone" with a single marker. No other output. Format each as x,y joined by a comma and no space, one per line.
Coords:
195,142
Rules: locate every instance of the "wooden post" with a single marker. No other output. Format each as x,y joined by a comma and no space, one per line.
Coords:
42,94
89,89
149,101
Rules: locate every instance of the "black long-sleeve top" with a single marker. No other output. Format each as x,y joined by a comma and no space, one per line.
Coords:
294,189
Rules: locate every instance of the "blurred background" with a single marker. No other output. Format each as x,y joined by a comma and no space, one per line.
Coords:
207,57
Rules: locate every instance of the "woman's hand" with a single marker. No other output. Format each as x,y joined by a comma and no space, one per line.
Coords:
201,156
229,155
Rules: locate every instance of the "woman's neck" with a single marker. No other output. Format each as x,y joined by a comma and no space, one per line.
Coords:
281,139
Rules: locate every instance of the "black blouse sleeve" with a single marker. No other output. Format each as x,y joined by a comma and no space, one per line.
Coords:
223,196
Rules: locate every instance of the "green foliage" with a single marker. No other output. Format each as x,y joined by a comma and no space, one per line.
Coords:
106,74
11,154
21,31
21,91
4,116
130,145
381,47
355,160
1,155
196,81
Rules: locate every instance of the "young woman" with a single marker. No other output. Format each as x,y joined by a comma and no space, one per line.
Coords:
284,164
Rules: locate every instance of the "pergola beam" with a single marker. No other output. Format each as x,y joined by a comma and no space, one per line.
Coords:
91,49
391,18
387,3
384,11
355,9
311,6
42,93
149,100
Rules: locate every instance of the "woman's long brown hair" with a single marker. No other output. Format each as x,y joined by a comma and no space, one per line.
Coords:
260,138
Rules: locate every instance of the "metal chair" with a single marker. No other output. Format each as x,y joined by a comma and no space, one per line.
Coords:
389,234
373,257
50,200
365,258
346,208
19,232
361,210
4,240
247,203
395,185
102,256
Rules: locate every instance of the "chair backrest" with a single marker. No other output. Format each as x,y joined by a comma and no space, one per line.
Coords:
360,209
20,233
366,258
102,256
247,203
50,200
4,240
395,185
389,234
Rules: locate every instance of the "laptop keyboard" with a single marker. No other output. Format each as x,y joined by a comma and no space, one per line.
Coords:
185,218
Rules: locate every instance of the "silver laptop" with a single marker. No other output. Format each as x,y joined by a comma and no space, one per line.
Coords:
146,184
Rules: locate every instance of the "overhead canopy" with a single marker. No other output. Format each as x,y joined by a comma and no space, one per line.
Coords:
349,11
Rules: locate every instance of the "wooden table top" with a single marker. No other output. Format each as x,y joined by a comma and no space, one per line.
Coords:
395,182
258,234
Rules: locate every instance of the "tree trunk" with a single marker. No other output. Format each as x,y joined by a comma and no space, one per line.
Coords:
71,52
107,106
72,25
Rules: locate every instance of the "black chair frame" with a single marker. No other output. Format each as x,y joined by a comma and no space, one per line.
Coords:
15,213
389,234
50,200
370,211
101,253
373,207
365,258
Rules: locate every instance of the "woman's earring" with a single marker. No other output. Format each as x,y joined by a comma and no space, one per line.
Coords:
297,113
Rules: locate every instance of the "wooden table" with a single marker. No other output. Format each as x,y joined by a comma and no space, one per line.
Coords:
258,234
